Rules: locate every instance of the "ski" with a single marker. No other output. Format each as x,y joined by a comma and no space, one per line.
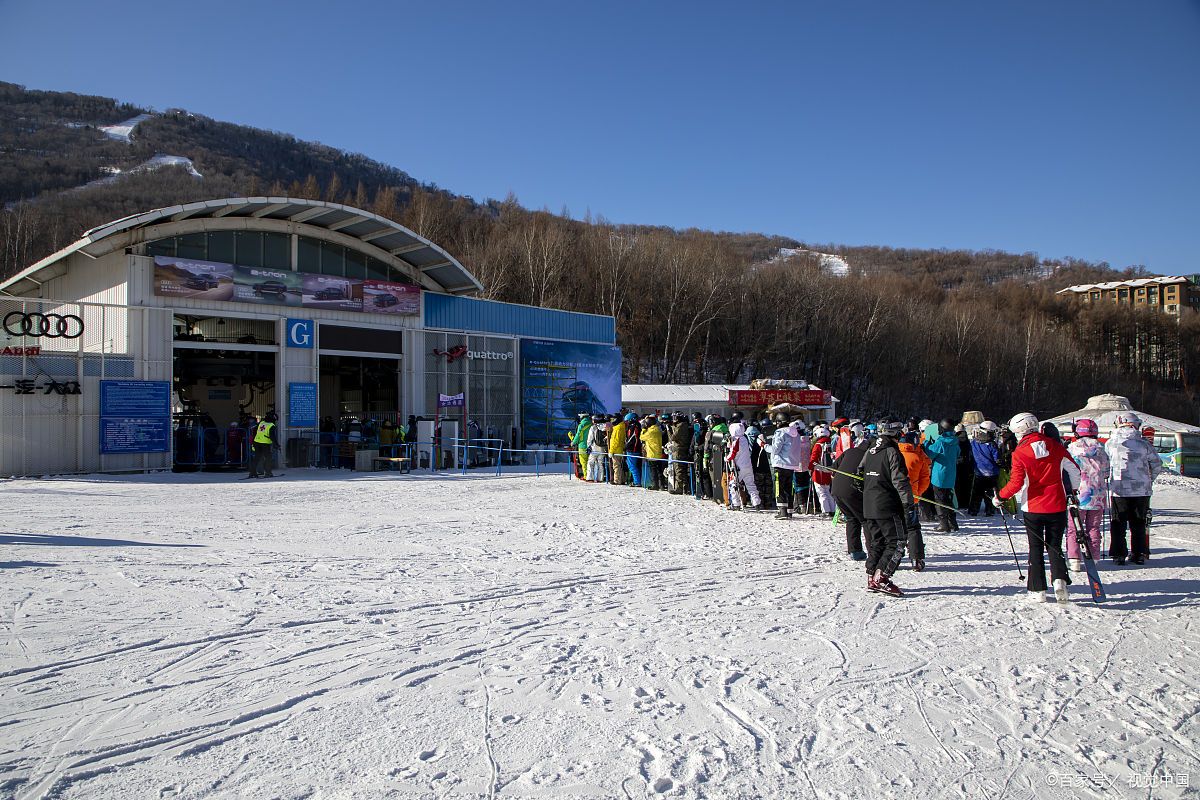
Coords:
1085,549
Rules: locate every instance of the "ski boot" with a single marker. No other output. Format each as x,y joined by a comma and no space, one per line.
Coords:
1060,591
918,565
884,585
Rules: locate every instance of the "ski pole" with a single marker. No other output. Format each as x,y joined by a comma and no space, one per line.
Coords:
858,478
1012,546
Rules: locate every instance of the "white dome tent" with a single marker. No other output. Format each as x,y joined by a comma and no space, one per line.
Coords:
1103,408
1177,443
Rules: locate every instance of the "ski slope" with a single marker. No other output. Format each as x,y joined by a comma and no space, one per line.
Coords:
328,635
123,131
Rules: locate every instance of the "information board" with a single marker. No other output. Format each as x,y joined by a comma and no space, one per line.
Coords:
135,417
302,405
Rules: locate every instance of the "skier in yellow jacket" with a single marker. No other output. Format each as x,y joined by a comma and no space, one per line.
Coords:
652,449
616,450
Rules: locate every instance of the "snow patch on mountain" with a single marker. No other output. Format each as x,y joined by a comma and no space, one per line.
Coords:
122,131
150,165
834,265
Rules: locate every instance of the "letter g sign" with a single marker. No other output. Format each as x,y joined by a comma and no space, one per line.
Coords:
300,333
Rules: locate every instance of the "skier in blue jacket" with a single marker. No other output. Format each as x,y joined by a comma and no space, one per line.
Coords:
987,471
943,452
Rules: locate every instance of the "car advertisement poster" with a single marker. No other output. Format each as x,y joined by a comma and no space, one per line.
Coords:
330,292
560,381
383,297
183,277
213,280
272,287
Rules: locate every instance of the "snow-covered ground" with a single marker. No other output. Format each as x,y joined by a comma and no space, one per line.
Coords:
337,635
833,264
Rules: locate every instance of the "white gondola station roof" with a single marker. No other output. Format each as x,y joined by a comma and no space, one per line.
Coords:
426,258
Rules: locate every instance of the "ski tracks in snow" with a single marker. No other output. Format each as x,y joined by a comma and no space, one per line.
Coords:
472,639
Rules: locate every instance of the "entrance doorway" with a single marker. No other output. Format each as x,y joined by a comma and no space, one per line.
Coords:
224,375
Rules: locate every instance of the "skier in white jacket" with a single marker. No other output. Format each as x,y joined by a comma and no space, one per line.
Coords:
1134,465
741,468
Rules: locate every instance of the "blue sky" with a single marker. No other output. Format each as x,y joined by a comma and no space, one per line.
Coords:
1068,128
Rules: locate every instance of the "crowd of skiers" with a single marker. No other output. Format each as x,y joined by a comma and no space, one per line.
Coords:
884,479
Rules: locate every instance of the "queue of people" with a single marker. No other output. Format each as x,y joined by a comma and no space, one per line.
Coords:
882,480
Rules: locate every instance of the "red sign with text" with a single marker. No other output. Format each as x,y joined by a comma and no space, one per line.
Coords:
770,397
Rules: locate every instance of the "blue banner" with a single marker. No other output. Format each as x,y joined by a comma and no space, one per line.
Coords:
560,381
302,405
452,400
135,417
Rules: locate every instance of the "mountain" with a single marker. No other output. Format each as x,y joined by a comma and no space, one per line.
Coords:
887,329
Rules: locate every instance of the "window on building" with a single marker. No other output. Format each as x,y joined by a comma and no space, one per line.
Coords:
1153,298
376,269
277,250
249,248
1123,294
222,247
191,245
161,247
1095,295
356,264
308,255
333,259
1173,309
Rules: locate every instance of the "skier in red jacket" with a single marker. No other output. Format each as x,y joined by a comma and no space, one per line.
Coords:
1038,467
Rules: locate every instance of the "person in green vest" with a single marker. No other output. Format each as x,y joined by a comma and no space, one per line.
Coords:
265,438
579,440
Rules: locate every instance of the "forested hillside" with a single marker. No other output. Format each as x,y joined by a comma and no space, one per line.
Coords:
904,331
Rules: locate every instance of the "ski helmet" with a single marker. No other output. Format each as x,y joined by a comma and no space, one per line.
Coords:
872,428
1023,423
925,423
946,425
989,426
840,421
1086,427
779,417
820,430
735,416
857,430
630,417
1128,418
889,427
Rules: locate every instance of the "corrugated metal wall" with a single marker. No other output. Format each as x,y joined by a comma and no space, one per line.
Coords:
448,312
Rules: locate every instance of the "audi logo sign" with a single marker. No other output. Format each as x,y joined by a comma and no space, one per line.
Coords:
43,326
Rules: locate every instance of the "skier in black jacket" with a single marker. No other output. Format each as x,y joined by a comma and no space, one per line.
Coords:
887,503
848,493
702,478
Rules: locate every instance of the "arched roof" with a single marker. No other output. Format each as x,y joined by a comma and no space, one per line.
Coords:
426,258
